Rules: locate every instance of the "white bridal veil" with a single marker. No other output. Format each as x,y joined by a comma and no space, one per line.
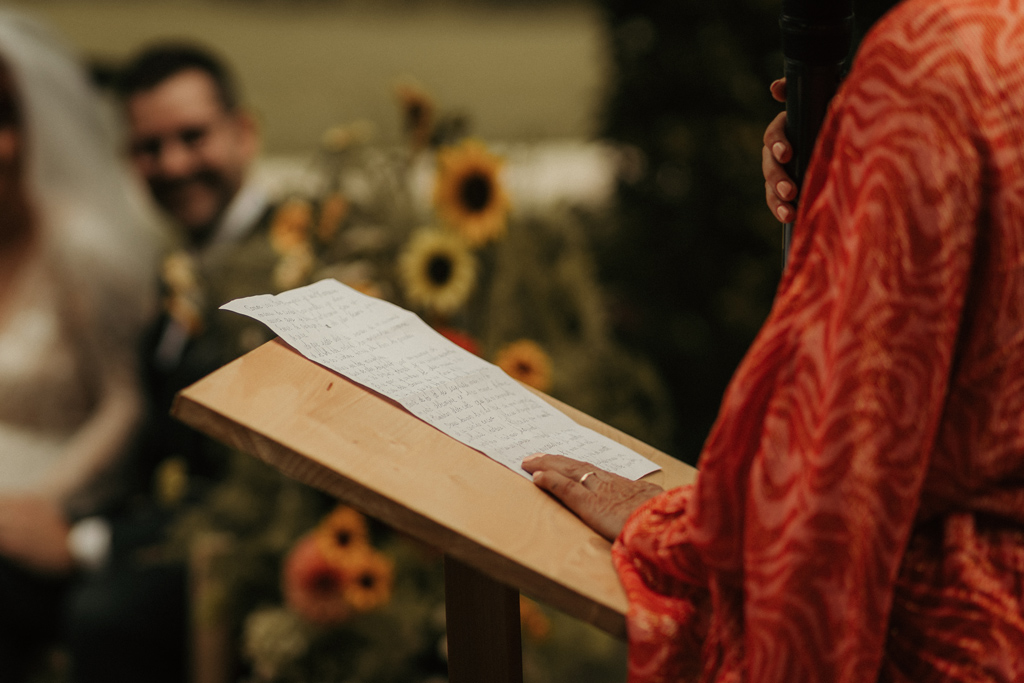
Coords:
94,221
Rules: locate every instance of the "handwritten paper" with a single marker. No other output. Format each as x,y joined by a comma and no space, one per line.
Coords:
393,352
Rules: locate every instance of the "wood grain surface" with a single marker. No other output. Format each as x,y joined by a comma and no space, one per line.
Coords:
319,428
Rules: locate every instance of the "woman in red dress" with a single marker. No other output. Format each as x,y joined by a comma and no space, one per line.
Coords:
859,510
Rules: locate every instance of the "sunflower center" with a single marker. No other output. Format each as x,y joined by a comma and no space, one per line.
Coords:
475,192
414,115
343,538
367,581
439,269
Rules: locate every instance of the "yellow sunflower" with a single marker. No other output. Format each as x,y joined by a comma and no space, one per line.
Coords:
290,226
437,271
417,114
341,533
369,576
527,362
469,195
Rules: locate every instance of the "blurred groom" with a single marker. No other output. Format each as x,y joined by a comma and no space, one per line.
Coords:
194,145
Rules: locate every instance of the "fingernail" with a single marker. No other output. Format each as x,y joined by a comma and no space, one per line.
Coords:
778,149
784,189
783,213
530,458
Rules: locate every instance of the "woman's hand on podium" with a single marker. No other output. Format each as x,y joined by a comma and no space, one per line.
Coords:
604,501
779,188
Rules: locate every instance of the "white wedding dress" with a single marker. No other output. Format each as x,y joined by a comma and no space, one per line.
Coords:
46,392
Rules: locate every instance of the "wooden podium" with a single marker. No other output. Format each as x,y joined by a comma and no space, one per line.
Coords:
499,533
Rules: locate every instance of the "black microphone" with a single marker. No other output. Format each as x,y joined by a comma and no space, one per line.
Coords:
816,40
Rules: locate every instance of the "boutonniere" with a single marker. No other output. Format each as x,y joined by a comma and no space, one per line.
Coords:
184,299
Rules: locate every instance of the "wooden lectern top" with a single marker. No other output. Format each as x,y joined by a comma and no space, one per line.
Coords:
321,429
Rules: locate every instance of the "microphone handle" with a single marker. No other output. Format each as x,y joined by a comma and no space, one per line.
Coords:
809,89
816,50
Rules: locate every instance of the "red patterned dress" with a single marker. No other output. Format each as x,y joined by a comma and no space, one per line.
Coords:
859,513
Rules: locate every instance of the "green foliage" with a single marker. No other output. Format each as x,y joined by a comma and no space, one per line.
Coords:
697,257
695,263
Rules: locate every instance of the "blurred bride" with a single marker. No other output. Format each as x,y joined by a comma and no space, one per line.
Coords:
77,255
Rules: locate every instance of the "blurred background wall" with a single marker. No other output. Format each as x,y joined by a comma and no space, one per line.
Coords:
523,71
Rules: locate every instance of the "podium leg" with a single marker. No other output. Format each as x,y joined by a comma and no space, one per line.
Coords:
484,641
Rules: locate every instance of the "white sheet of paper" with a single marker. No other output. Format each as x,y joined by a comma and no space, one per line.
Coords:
393,352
